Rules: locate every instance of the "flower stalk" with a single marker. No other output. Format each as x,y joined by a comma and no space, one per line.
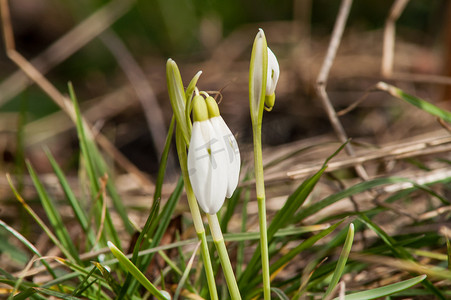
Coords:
263,76
178,103
196,215
218,239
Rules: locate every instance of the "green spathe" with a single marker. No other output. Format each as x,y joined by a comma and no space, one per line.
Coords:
200,110
213,109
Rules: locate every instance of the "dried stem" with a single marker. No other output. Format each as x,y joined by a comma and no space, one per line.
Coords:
321,81
388,49
61,49
142,88
62,101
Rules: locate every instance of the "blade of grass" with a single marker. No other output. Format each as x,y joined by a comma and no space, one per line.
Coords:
74,203
341,261
186,273
400,252
163,222
415,101
56,294
385,291
38,220
308,243
283,216
356,189
114,285
279,293
53,215
29,245
89,152
128,265
78,291
152,221
241,246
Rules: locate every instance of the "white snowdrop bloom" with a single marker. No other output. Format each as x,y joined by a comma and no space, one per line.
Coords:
207,160
233,153
272,74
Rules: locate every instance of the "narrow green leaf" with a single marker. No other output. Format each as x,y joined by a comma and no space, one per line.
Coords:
78,291
127,264
399,252
231,204
301,247
25,294
56,294
115,287
151,222
38,220
91,157
420,103
385,290
186,273
73,201
54,217
356,189
282,217
279,293
448,252
29,245
161,224
341,261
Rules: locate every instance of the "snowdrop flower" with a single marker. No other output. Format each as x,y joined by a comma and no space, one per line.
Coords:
233,153
213,156
263,76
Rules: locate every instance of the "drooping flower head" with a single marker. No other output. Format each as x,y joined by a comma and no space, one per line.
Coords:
213,156
263,77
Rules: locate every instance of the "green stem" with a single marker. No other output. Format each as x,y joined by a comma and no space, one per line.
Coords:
261,199
218,239
198,225
195,213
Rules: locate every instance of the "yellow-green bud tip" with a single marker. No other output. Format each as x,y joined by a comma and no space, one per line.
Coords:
213,109
200,111
269,101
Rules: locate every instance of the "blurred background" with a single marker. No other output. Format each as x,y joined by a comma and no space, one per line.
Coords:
114,53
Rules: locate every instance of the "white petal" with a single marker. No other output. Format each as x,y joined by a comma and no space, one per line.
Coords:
233,153
273,73
207,167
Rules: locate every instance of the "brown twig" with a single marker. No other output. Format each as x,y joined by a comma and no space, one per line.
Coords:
321,81
63,48
388,49
62,101
142,88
